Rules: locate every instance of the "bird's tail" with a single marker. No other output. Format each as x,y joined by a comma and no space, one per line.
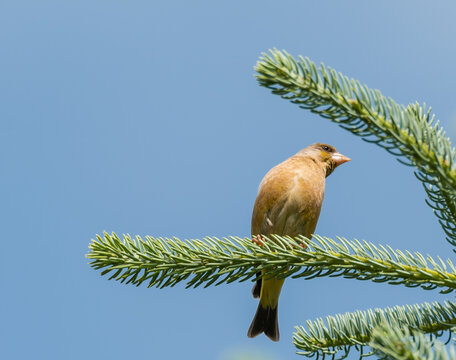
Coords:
265,320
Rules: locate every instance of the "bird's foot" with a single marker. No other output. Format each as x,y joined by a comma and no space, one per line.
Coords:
302,244
258,239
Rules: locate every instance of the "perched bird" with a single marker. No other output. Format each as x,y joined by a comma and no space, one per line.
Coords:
288,203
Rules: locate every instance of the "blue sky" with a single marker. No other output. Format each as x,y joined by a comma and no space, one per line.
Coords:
145,118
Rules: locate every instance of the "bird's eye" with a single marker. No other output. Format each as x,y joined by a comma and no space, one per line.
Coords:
326,148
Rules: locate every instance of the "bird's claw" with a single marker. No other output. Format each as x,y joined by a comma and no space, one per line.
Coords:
257,239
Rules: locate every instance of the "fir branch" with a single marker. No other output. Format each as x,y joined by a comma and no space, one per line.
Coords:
399,342
408,132
342,332
164,262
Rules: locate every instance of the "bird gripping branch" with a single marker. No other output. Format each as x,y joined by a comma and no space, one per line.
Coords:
289,201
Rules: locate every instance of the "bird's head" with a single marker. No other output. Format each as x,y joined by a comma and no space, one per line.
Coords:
326,155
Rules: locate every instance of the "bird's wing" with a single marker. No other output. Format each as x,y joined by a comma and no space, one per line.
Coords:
272,205
286,204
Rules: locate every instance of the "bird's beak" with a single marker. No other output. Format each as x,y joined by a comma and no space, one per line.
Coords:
339,159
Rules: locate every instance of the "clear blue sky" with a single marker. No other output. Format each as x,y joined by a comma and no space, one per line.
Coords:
144,118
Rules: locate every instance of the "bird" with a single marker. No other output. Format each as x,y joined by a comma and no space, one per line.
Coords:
289,201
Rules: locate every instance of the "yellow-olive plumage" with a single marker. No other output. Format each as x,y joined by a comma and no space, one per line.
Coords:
288,203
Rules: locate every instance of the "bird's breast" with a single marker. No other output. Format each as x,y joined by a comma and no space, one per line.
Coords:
304,201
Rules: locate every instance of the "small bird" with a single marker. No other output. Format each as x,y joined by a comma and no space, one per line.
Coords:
288,203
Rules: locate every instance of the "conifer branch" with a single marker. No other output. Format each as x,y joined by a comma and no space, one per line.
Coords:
164,262
342,332
399,342
406,132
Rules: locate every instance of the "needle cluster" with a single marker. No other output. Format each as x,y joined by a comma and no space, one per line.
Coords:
399,342
342,332
163,262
